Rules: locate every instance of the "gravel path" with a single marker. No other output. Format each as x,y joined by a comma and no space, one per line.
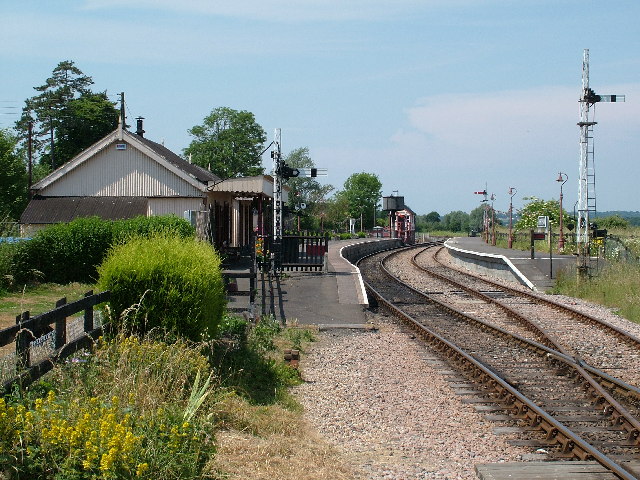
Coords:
373,396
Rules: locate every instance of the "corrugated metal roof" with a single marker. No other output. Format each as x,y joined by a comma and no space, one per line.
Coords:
195,171
44,210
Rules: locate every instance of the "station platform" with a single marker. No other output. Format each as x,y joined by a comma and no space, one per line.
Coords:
331,299
538,273
336,297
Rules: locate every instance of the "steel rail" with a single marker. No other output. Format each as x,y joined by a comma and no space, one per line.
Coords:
609,381
627,337
620,415
519,405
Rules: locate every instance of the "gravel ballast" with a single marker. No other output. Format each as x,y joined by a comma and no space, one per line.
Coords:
375,396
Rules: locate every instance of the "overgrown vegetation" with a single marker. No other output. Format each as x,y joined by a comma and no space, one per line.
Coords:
175,285
148,408
71,252
615,286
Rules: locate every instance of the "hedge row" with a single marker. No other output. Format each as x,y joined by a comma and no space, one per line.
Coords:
71,252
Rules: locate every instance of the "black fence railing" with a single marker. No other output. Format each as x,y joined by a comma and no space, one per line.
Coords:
45,339
303,252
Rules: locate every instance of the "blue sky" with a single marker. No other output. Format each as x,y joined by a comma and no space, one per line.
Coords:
436,97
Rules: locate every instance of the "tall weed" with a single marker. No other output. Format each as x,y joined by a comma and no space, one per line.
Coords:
616,286
117,414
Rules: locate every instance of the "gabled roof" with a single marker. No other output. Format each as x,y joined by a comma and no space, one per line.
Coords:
46,210
193,174
196,171
250,186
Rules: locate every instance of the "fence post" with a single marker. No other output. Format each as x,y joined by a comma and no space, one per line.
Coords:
88,314
61,326
22,343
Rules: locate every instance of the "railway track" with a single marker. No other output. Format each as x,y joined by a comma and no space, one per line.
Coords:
556,398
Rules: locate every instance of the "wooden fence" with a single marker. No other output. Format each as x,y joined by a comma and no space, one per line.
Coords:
49,332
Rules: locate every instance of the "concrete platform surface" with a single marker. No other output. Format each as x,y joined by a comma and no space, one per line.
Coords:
335,297
541,271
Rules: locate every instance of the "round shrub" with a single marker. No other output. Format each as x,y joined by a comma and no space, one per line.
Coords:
165,283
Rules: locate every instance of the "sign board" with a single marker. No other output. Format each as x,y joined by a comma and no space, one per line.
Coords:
543,222
539,235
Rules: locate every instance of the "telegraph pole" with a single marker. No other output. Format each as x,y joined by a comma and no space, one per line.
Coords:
30,153
124,123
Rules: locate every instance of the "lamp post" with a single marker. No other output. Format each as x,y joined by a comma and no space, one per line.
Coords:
493,221
512,192
562,179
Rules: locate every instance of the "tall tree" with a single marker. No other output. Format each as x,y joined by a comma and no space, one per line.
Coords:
428,222
228,143
476,218
63,113
306,191
84,121
363,192
13,180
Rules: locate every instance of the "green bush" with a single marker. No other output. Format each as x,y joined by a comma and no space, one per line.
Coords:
175,285
7,252
71,252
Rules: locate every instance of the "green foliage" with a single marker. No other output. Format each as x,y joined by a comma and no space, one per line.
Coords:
13,180
298,337
7,252
66,105
119,413
613,221
84,121
71,252
611,287
362,192
426,223
165,283
228,143
457,221
262,335
306,190
476,218
361,234
536,208
249,367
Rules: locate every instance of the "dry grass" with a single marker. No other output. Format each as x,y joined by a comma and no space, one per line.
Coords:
271,443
